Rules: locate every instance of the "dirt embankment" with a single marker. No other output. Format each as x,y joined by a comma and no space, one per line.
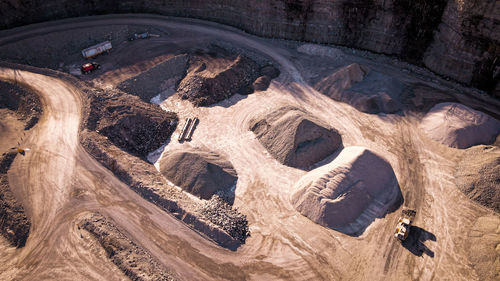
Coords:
131,124
22,100
133,260
478,175
295,138
119,140
14,225
215,74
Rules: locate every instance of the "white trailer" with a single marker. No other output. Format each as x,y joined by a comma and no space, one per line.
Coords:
97,49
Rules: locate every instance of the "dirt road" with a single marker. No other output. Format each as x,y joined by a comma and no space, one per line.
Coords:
58,181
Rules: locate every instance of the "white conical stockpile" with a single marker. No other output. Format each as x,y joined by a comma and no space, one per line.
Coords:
348,193
459,126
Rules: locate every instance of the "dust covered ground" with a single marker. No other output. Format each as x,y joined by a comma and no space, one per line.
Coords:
58,182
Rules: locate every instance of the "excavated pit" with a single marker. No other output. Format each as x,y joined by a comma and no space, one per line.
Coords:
348,193
295,138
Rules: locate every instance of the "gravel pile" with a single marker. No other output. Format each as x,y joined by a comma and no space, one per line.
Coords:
212,78
220,213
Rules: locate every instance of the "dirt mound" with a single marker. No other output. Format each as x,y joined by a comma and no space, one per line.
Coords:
22,100
483,247
212,77
478,175
134,261
14,225
366,90
131,124
348,193
198,172
459,126
294,138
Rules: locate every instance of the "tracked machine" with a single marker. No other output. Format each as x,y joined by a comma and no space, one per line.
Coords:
404,223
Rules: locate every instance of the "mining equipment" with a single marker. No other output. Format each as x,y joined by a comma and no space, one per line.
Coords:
404,224
191,129
98,49
89,67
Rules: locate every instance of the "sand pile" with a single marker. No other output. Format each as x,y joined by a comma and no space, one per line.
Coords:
478,175
366,90
459,126
212,78
294,138
200,173
131,124
348,193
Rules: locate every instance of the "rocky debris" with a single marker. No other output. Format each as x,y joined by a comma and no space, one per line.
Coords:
215,76
483,247
294,137
366,90
149,83
22,100
220,213
134,261
478,175
144,179
131,124
348,193
459,126
201,173
14,225
323,51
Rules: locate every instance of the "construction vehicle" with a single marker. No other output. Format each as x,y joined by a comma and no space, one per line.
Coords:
89,67
404,223
98,49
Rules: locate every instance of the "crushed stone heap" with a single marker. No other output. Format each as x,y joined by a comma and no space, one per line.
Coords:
212,78
131,124
478,175
366,90
459,126
199,172
294,138
348,193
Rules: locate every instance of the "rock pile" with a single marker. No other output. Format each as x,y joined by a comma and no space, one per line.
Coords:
220,213
211,79
459,126
348,193
200,173
295,138
131,124
366,90
134,261
22,100
478,175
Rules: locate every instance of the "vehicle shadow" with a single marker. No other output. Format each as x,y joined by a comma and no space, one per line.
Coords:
415,241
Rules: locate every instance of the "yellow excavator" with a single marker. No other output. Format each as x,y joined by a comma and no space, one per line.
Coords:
404,223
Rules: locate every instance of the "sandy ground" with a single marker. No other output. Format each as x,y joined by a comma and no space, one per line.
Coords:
58,182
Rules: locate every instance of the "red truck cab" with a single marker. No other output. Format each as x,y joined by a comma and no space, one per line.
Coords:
89,67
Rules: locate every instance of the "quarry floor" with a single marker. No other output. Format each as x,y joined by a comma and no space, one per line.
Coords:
57,181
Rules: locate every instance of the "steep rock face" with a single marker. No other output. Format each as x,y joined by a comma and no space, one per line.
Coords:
406,28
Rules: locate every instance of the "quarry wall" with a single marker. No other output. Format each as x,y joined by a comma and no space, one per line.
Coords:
455,38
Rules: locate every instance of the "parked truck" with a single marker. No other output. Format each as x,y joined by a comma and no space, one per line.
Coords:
89,67
98,49
404,223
